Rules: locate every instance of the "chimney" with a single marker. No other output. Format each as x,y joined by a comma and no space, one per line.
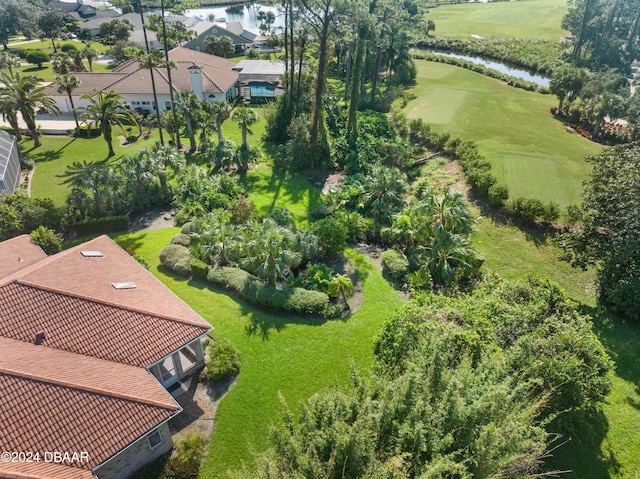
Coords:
40,336
195,74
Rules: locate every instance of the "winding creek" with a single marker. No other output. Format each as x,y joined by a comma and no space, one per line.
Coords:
501,67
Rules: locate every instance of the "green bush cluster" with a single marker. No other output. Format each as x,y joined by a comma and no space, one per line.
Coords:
224,360
261,293
177,258
101,225
532,209
395,264
181,239
47,239
36,57
489,72
199,269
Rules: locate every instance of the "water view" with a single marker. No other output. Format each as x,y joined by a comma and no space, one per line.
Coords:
247,15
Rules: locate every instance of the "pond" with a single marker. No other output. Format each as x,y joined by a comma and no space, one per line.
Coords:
501,67
247,15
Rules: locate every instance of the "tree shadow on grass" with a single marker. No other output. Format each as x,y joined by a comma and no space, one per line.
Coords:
41,156
581,453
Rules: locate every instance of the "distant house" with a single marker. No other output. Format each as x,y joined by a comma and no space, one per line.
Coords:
9,163
211,78
259,80
137,35
94,348
217,31
83,10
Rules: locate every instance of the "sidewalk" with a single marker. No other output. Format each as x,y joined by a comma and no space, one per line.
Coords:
48,124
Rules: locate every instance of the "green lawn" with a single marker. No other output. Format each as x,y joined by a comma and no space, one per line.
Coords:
46,72
531,152
537,19
281,355
57,152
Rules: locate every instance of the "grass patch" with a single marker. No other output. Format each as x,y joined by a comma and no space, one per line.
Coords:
58,152
46,72
531,151
539,19
278,353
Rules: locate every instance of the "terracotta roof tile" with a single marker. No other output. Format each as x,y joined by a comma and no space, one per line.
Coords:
82,372
87,327
18,253
38,416
42,470
71,273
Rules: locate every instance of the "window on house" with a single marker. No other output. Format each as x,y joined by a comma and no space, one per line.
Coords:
167,105
135,102
146,103
154,438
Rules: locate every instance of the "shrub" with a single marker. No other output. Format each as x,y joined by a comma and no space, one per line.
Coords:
185,461
181,239
224,360
574,214
36,57
332,235
187,228
551,212
395,264
199,269
177,258
26,163
47,239
498,194
101,225
261,293
527,209
67,47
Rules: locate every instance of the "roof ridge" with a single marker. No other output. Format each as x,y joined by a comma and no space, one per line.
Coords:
107,303
90,389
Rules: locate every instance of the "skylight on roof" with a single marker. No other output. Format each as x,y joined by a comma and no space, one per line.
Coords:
124,285
92,254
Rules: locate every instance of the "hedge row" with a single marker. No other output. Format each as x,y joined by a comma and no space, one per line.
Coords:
259,292
477,170
491,73
101,225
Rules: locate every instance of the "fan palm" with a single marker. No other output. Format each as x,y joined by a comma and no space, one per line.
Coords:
10,115
245,117
383,190
220,111
190,104
340,285
24,94
66,84
90,53
105,109
9,61
96,178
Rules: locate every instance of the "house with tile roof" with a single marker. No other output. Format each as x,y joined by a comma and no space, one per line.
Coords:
94,348
210,77
217,30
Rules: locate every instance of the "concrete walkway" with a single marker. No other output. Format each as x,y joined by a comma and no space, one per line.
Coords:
49,124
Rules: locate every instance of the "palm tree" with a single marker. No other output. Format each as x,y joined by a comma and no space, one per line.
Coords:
10,115
77,57
340,285
9,61
245,117
66,84
220,111
190,104
62,63
90,53
105,110
149,61
96,178
26,95
384,188
450,256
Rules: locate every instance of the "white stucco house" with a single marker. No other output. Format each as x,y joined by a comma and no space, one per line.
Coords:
210,77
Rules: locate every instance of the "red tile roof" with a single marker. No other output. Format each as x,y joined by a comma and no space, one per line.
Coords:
39,416
18,253
85,388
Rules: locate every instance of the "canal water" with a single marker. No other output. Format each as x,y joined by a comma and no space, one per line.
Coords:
247,15
501,67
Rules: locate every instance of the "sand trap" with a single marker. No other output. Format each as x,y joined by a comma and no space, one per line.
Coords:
477,37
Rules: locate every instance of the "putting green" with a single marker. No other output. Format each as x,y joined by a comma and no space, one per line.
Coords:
531,151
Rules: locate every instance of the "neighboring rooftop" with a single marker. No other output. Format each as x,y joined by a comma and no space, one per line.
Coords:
260,67
18,253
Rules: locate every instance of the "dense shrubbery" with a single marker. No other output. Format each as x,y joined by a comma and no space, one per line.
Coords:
47,239
259,292
224,360
20,214
463,387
